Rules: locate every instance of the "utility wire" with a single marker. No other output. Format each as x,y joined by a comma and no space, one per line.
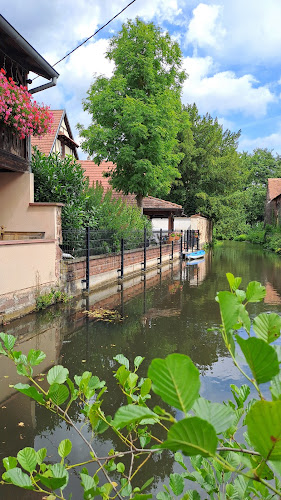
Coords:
96,32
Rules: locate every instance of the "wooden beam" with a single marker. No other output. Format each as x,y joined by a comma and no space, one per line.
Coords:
13,163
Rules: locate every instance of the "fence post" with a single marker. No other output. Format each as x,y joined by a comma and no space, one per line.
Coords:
87,280
172,254
144,249
181,245
122,259
198,239
160,248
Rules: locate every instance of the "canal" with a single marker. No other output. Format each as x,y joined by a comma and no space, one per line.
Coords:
168,312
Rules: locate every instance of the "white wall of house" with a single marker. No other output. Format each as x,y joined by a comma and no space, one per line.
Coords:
160,223
181,223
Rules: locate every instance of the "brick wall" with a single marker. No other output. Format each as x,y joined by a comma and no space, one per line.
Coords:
74,270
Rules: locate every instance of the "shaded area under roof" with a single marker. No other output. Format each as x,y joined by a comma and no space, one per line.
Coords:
16,47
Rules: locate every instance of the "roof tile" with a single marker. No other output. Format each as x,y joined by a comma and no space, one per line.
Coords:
274,188
95,174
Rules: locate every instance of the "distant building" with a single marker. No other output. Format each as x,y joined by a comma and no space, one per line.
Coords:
154,208
273,202
60,139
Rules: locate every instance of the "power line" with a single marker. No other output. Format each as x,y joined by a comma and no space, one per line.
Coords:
96,32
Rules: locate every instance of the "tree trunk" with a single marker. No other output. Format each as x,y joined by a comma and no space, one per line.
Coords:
139,198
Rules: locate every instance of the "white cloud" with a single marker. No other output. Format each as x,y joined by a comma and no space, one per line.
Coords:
272,141
224,92
205,29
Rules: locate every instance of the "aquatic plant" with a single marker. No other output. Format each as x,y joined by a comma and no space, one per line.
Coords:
207,432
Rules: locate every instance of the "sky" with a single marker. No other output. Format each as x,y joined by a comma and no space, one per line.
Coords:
231,52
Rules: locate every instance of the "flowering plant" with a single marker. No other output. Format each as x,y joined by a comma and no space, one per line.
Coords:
20,112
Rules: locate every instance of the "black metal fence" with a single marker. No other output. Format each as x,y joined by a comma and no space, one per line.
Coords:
88,242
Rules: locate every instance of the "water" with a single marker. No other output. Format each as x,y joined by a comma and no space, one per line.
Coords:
167,313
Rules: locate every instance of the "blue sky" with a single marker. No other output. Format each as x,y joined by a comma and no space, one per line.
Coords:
231,49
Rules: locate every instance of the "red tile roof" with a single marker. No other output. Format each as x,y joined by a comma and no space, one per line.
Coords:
274,188
95,174
46,141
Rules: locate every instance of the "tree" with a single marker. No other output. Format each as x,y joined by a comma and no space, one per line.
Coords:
258,167
136,112
210,167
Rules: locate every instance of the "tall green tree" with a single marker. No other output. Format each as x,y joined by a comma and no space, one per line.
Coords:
210,168
136,112
258,167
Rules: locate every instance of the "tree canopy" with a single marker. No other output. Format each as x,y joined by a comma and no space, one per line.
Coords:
136,112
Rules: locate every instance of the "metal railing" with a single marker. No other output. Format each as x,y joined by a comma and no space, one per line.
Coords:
87,243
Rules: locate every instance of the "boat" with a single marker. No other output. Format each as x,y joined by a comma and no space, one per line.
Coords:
195,262
198,254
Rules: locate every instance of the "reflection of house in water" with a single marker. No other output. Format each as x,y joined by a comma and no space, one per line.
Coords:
272,296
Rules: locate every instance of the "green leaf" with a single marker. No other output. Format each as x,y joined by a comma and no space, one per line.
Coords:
191,495
64,448
60,472
234,283
176,484
120,467
122,360
264,428
163,495
240,394
58,394
30,391
27,458
261,358
122,374
139,496
41,455
130,414
35,357
132,380
229,309
275,387
9,340
57,375
193,436
179,458
244,318
255,292
10,462
147,483
87,481
221,417
19,478
51,482
267,326
176,380
2,350
126,487
137,361
145,387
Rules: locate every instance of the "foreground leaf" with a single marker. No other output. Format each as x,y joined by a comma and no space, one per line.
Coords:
19,478
58,394
30,391
221,417
130,414
64,448
176,380
27,458
193,436
261,358
255,292
267,326
229,309
264,428
57,375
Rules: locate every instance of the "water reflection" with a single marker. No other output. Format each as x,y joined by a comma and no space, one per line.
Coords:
163,312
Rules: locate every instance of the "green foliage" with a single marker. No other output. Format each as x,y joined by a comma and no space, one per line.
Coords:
53,297
207,432
136,112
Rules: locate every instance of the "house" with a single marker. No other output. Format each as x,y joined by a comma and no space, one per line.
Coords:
59,140
161,212
273,202
29,232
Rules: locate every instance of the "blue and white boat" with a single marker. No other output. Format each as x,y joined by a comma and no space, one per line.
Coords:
198,254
